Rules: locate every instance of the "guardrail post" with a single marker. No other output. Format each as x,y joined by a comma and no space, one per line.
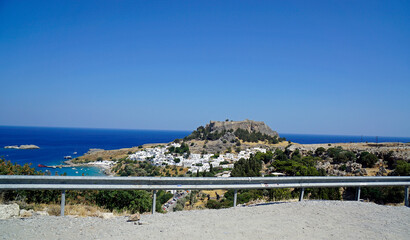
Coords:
154,201
302,191
358,194
62,203
406,196
235,195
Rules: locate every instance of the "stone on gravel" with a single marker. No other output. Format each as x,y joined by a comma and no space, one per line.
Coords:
134,217
9,210
106,215
41,213
26,213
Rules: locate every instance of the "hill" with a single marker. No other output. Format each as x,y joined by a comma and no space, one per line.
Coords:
248,125
227,136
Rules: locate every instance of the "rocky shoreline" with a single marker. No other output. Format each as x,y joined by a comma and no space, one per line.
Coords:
104,165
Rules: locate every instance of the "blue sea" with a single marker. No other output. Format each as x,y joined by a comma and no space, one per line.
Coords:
55,143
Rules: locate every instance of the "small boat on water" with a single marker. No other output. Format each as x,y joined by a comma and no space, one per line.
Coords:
42,165
74,153
67,157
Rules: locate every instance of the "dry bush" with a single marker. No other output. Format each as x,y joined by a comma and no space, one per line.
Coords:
89,211
53,210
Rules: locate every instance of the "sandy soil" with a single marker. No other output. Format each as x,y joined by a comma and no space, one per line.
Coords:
300,220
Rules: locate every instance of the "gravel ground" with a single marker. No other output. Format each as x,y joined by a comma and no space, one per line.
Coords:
298,220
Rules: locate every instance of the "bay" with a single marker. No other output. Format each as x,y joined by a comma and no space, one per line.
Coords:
55,143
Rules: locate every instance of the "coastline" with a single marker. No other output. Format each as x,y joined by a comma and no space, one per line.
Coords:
105,159
113,154
91,158
69,164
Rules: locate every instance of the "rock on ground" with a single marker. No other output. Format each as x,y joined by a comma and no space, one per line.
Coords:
9,210
300,220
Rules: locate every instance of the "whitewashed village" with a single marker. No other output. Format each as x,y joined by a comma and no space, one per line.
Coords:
161,156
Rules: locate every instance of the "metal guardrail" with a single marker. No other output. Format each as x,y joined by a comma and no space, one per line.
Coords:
13,182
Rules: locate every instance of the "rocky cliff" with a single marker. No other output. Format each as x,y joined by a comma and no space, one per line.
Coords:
249,125
222,136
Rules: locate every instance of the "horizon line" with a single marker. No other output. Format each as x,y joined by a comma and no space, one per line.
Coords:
179,130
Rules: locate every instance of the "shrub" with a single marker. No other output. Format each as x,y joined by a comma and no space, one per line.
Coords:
367,159
319,151
244,196
383,195
179,206
277,194
402,168
7,168
213,204
324,193
132,200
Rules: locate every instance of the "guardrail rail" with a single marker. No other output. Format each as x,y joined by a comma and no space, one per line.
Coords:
63,183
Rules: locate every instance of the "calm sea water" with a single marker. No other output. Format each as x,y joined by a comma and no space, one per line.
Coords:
55,143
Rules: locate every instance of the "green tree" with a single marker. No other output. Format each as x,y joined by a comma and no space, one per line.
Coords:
280,155
367,159
319,151
247,167
402,168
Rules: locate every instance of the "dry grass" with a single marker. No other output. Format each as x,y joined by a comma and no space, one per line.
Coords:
112,154
83,210
200,204
212,193
79,210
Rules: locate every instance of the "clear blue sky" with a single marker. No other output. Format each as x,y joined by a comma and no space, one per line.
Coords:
324,67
